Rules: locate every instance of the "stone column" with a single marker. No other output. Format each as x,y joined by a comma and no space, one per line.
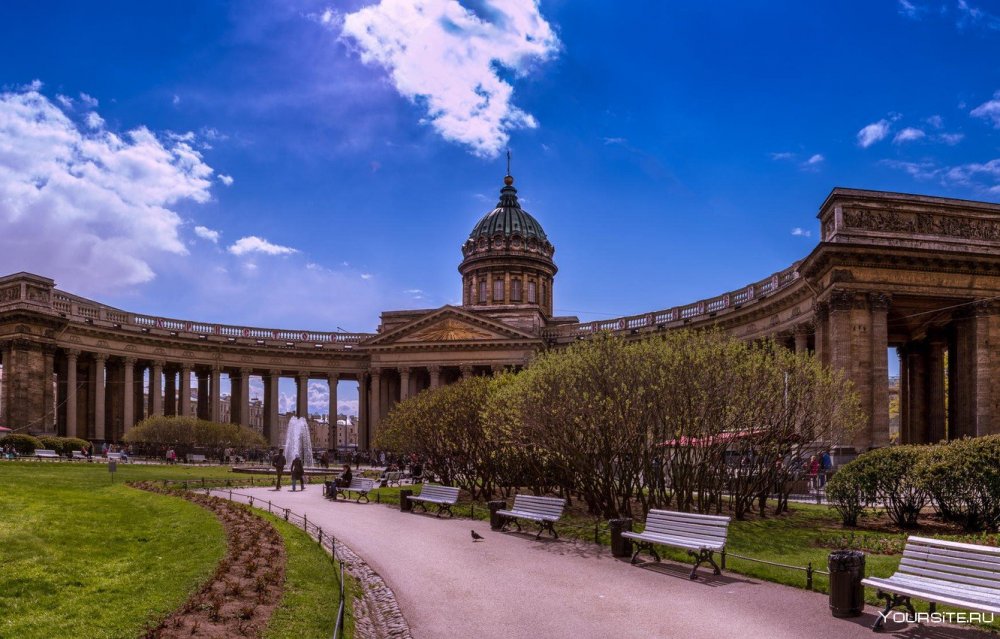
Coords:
244,396
156,389
128,394
71,392
376,405
465,370
302,395
331,381
435,374
879,305
970,409
801,338
139,396
936,346
904,393
364,427
821,315
271,401
98,370
215,413
48,390
404,383
204,411
170,391
916,379
185,398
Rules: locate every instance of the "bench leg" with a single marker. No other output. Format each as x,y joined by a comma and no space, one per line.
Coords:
701,557
510,520
546,525
445,508
362,496
641,546
418,503
891,601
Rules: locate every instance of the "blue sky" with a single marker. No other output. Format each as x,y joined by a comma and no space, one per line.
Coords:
310,164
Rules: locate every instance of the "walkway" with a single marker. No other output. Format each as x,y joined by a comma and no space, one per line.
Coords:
511,586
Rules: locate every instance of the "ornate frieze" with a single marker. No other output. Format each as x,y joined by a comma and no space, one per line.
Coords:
922,223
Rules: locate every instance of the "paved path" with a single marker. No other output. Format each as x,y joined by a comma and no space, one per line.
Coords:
511,586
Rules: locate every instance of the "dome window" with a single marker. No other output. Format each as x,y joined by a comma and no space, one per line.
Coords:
498,290
515,291
531,292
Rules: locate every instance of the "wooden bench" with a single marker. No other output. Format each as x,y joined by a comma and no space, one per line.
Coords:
956,574
118,457
700,535
394,477
45,453
444,496
545,511
196,459
359,485
79,454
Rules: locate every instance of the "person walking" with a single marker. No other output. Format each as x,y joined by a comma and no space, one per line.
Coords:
279,466
813,469
297,473
825,466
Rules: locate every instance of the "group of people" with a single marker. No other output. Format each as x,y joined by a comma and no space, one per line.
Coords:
297,471
817,469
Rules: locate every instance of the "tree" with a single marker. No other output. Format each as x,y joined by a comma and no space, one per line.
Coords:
186,433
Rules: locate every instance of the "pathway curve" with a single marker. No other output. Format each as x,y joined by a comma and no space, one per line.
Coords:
511,586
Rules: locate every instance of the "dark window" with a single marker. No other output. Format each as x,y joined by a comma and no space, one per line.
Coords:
482,292
497,290
515,291
531,292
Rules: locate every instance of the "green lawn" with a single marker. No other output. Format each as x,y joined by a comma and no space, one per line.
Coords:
85,557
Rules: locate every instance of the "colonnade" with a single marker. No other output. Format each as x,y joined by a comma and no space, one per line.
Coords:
98,396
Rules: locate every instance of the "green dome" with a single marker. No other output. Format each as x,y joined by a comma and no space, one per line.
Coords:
508,219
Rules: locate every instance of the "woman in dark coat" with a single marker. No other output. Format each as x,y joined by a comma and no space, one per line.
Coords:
297,473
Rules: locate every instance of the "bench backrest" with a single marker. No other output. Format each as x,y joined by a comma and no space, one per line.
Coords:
114,455
45,452
361,484
79,453
961,564
551,507
698,528
196,458
393,476
443,493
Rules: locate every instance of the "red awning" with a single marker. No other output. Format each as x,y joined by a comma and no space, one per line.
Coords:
4,430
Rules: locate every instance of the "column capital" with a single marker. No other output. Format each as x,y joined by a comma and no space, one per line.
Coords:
216,368
129,361
802,329
301,376
465,369
99,357
404,370
186,368
841,300
879,301
434,369
333,378
983,307
72,352
244,371
274,372
821,310
376,373
158,363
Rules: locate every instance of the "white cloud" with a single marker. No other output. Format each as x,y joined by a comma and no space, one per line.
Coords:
89,207
176,100
254,244
446,57
65,100
951,139
800,232
908,9
978,176
935,121
366,276
615,141
815,159
784,155
94,121
89,101
989,110
970,15
206,233
909,134
874,132
226,179
919,170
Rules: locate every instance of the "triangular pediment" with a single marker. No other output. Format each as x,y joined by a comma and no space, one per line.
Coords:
450,324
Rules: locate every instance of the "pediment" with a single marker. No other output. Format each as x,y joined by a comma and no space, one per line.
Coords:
450,324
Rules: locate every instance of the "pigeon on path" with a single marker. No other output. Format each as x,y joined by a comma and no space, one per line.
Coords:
476,536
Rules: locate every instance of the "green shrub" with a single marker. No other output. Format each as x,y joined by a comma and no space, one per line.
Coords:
963,480
53,443
850,491
893,471
23,444
74,443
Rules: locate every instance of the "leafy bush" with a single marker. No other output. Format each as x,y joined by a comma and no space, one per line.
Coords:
885,475
74,443
189,432
850,491
963,479
23,444
52,443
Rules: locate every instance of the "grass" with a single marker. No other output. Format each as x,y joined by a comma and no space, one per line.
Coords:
309,604
86,557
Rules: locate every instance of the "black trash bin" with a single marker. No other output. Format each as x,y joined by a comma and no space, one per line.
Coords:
620,546
496,521
847,595
405,504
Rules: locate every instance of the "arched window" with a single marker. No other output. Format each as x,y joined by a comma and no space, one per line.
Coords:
531,292
515,290
482,292
498,290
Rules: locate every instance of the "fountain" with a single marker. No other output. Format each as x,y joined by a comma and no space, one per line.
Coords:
298,442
